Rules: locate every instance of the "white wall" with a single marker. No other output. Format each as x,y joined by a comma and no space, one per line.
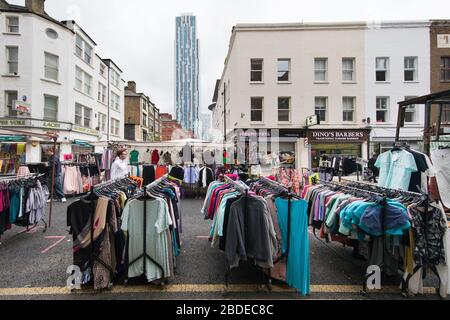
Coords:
397,43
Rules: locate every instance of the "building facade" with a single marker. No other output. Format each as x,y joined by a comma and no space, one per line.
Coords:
349,75
187,99
141,116
52,69
171,129
205,126
440,67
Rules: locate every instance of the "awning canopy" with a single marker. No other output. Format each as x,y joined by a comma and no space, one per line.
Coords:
83,143
442,97
9,138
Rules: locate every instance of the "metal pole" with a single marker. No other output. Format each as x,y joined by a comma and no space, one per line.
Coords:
53,183
427,131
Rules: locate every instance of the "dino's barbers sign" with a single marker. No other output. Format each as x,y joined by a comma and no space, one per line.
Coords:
337,136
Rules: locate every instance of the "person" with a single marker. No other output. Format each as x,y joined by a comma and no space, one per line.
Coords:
373,168
119,168
55,163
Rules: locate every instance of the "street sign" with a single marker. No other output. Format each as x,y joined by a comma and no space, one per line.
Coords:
22,107
312,121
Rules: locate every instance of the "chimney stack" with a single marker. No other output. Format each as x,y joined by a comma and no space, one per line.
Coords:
37,6
132,86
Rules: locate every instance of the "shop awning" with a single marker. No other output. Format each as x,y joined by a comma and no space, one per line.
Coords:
83,143
12,138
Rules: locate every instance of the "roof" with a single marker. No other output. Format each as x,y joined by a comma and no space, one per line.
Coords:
109,61
6,7
442,97
66,22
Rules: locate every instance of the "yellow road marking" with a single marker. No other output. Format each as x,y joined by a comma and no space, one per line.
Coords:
186,288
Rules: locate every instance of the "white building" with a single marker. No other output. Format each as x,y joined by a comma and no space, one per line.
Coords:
53,67
277,75
397,68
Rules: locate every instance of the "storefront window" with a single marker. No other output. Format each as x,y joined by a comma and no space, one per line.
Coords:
341,149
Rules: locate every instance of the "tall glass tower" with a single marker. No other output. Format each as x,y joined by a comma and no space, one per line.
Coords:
187,72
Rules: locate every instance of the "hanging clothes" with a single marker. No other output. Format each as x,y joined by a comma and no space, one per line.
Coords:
148,174
155,157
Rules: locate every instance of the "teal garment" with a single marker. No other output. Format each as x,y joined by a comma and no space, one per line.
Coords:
222,207
176,249
14,205
396,168
298,264
331,217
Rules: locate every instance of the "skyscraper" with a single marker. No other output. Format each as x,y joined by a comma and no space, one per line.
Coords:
187,71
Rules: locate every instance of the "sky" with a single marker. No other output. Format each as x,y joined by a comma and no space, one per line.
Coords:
139,34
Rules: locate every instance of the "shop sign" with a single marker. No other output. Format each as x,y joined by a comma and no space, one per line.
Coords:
312,121
328,136
85,130
50,125
15,123
269,133
22,107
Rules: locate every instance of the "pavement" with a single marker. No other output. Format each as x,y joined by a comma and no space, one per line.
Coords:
33,266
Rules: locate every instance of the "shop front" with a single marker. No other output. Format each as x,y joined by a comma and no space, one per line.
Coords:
343,143
12,153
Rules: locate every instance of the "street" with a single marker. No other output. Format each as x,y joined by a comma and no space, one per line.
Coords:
34,266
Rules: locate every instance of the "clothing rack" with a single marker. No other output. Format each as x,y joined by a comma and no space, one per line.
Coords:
244,189
145,255
12,178
96,191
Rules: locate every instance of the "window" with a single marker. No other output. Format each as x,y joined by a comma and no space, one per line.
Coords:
348,104
83,50
445,68
256,72
50,108
10,99
115,77
321,104
87,84
87,117
103,70
52,34
51,66
101,93
78,114
320,69
348,69
144,120
12,56
382,109
257,109
284,105
284,66
410,112
87,53
382,69
445,118
101,122
410,68
83,81
12,24
79,46
115,101
115,126
83,115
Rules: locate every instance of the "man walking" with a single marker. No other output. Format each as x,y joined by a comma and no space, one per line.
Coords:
55,163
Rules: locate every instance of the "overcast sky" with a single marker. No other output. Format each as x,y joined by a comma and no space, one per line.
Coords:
139,34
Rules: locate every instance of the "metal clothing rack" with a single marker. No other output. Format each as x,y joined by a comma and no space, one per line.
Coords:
145,255
244,189
10,178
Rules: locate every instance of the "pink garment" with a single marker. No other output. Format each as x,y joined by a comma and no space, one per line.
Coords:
23,171
70,185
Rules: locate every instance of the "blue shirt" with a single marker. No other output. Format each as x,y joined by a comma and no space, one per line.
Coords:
396,168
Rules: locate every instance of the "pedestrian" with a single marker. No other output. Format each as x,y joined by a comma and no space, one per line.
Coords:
55,164
119,168
373,168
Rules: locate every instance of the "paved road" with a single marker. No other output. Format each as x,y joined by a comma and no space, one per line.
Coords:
33,266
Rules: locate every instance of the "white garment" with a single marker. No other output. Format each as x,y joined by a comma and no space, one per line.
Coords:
440,160
119,169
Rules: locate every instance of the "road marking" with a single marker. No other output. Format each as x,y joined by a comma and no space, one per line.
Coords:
193,288
59,238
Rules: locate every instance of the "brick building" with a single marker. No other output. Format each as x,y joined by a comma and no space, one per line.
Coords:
141,116
171,129
440,65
